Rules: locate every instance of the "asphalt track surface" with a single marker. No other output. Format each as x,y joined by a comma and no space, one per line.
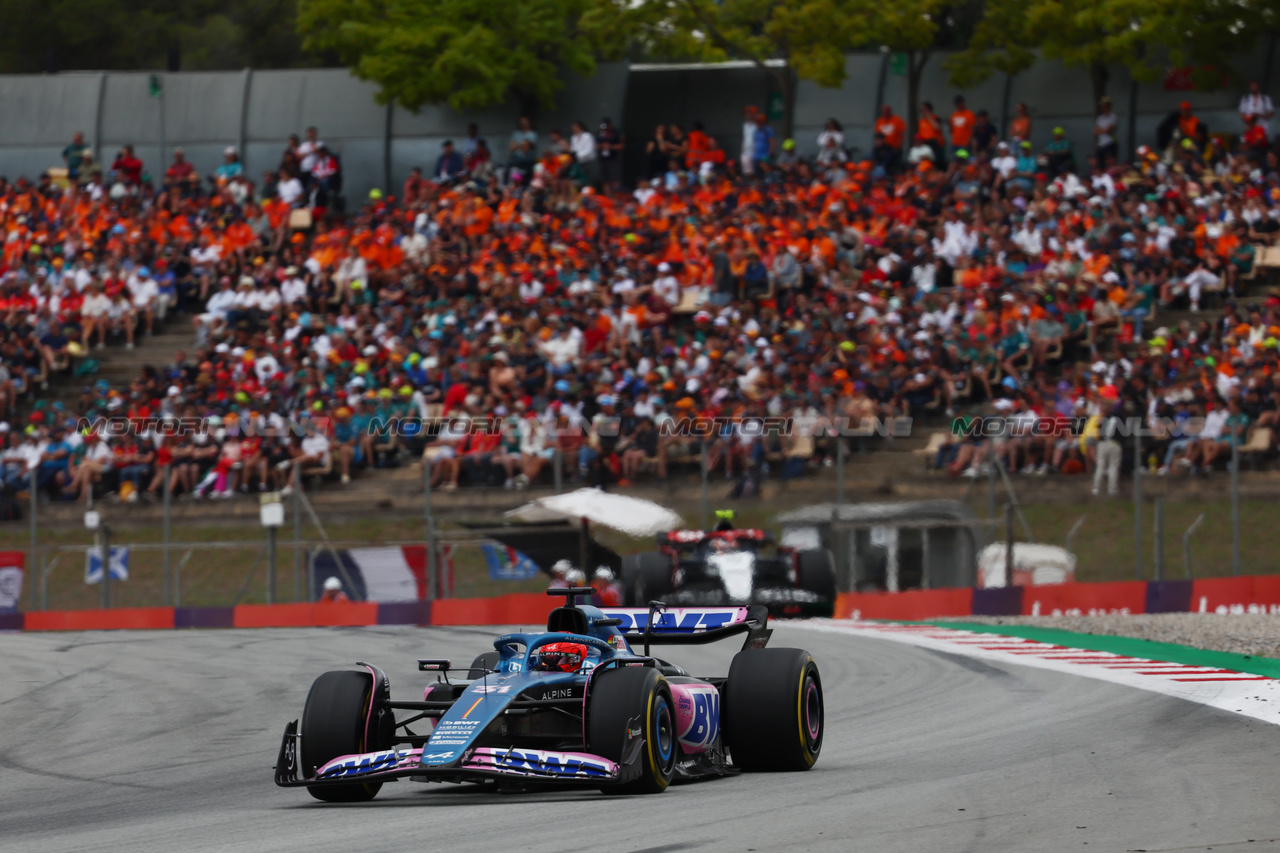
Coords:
165,741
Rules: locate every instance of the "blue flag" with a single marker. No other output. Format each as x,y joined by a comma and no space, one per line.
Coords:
119,564
508,564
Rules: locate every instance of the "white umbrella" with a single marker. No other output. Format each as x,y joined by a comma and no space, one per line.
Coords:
632,516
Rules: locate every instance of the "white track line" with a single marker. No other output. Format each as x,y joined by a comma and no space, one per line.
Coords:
1244,693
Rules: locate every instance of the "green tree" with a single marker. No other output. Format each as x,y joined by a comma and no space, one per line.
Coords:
1143,36
911,28
809,36
60,35
469,54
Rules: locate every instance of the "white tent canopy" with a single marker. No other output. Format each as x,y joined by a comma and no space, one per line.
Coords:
633,516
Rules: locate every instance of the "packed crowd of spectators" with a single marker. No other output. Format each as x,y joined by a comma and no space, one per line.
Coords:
952,273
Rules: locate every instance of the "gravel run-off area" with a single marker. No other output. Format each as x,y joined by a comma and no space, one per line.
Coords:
1246,634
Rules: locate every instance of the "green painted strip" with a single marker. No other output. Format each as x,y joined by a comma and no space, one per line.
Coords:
1131,646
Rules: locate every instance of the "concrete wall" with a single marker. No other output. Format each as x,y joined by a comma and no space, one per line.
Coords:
256,111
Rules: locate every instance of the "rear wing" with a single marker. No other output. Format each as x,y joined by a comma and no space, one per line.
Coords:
692,625
680,540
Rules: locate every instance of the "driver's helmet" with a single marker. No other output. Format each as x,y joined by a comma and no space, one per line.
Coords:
726,520
561,657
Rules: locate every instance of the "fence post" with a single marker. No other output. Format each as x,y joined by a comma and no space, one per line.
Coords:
991,478
428,529
106,567
1008,544
1186,543
1159,536
271,565
1071,534
1235,506
33,551
1137,503
168,583
706,497
840,451
558,460
297,531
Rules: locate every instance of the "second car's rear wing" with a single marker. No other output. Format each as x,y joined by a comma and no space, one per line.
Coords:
692,625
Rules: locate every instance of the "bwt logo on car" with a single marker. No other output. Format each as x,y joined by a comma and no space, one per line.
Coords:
706,719
358,765
679,620
549,762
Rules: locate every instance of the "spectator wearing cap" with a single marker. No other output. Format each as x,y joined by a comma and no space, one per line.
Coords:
788,159
230,168
332,592
1060,153
145,293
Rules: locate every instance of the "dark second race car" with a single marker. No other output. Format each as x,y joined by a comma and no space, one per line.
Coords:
574,705
728,566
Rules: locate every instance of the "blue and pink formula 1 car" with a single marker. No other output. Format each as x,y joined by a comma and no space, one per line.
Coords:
574,705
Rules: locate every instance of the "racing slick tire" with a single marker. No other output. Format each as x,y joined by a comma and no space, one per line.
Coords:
333,724
622,698
816,572
486,660
773,710
645,577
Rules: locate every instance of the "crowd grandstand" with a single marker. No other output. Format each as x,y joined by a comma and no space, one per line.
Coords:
583,315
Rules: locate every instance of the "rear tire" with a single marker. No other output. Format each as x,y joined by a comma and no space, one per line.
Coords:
773,710
816,572
333,724
620,697
487,660
645,577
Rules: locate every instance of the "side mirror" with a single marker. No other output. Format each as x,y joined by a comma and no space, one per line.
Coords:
434,665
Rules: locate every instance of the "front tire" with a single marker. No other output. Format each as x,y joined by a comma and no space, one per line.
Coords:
333,724
621,698
773,710
483,661
816,572
645,577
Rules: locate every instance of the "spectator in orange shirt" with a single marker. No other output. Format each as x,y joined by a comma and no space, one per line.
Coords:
1020,127
891,127
929,131
698,144
962,121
